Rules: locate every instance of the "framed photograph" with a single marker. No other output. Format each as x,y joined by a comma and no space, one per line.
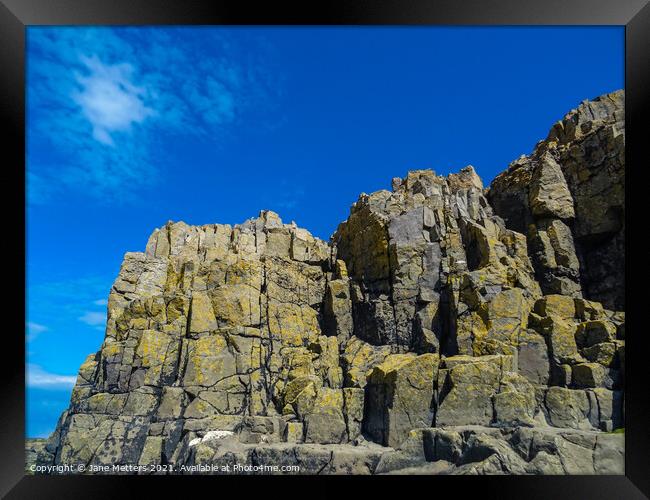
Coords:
371,242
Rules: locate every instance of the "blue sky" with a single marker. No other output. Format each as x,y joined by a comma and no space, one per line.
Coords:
130,127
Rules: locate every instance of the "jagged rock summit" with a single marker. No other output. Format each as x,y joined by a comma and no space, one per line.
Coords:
445,328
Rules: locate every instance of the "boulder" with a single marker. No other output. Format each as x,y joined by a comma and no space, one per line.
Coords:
467,391
399,396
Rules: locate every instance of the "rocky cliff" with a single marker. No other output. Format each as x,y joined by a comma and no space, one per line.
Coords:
445,328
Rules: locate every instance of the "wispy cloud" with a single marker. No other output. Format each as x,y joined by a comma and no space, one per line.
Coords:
34,329
104,103
40,190
63,304
109,99
289,196
68,295
93,318
37,377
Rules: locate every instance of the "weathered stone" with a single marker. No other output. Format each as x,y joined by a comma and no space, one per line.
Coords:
301,394
359,358
293,432
208,361
591,375
610,408
556,305
353,399
400,396
515,403
338,308
594,332
549,193
467,391
603,353
532,357
567,408
588,310
325,422
608,454
202,317
152,451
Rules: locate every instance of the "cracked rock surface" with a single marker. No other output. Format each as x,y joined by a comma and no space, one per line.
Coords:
445,328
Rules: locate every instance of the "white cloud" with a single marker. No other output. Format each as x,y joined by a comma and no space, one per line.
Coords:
37,377
289,197
116,96
34,330
287,203
109,99
101,302
39,190
93,318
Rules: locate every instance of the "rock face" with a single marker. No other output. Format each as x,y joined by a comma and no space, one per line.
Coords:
445,328
33,446
568,197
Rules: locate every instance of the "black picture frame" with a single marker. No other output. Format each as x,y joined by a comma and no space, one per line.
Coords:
16,15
